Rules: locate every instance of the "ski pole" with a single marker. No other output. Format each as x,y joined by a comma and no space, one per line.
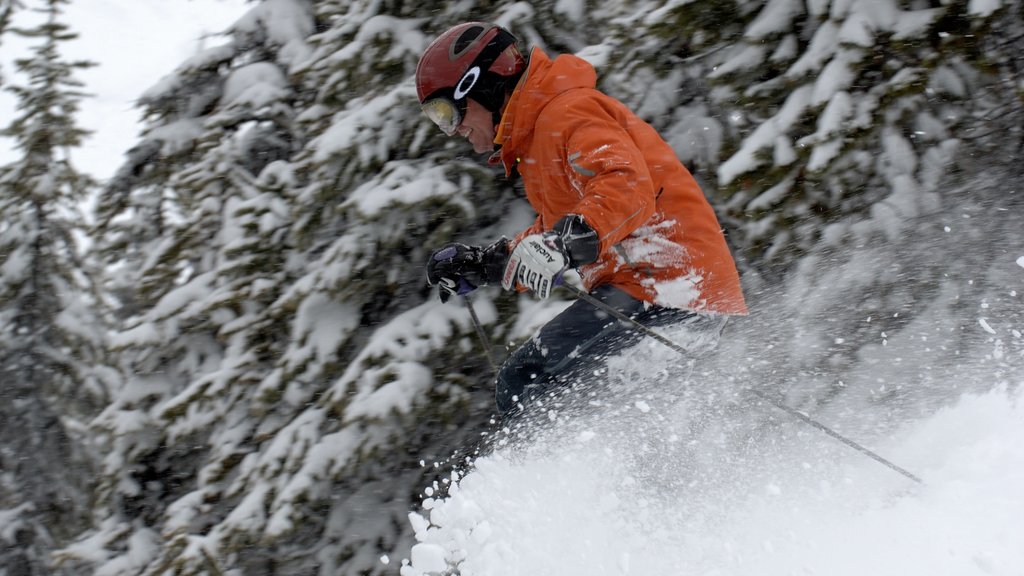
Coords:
619,315
484,341
807,420
796,414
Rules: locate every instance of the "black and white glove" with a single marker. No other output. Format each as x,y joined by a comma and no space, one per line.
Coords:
537,263
539,260
460,269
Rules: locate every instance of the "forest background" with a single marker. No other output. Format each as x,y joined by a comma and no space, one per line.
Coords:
225,358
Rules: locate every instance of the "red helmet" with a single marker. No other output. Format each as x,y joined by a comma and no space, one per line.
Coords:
475,59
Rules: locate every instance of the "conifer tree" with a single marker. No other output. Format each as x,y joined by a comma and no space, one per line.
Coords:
7,9
848,125
826,135
6,12
50,341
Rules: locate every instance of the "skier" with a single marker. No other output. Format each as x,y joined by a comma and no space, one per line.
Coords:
613,202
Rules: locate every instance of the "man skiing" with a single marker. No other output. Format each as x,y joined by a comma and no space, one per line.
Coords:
612,200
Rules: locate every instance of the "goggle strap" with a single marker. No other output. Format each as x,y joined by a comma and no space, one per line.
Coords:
489,55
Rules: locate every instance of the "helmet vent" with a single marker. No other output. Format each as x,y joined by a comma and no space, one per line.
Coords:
466,39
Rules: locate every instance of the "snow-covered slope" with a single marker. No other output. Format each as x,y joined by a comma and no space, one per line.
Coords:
684,473
594,504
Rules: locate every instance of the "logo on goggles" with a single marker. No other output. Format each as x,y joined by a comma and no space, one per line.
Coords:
467,82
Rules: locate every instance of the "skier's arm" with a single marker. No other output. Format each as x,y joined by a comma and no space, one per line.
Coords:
538,261
618,193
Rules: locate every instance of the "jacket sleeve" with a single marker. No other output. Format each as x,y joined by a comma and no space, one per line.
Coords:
609,171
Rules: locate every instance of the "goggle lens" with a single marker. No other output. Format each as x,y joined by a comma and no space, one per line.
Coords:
444,113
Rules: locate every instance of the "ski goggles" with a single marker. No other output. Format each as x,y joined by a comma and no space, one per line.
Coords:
443,112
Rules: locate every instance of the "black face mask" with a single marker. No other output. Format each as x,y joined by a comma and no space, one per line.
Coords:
492,97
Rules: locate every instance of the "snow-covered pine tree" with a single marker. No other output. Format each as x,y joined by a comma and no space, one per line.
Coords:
6,13
286,370
51,379
192,231
834,134
7,10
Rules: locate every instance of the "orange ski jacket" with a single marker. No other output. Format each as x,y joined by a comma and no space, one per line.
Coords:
582,152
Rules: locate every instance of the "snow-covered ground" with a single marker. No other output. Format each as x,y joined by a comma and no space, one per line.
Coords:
685,474
592,507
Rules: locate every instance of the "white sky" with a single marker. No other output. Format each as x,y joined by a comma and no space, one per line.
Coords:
134,43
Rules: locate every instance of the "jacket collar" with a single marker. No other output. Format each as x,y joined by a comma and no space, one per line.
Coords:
543,80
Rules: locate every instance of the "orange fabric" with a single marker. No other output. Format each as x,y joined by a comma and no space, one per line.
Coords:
582,152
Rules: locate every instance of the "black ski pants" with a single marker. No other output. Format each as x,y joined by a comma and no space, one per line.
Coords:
577,341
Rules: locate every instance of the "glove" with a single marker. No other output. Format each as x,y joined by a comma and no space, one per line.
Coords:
538,262
460,269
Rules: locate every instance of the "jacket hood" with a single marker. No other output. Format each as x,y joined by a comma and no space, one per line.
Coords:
543,80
